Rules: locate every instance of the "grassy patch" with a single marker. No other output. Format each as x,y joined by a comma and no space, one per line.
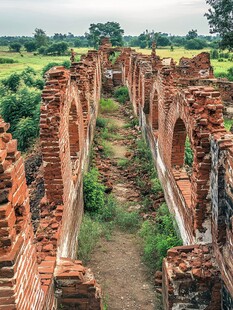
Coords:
107,134
90,233
123,162
23,60
158,237
107,148
102,122
108,106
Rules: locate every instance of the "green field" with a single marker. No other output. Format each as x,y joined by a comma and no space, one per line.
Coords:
30,60
37,62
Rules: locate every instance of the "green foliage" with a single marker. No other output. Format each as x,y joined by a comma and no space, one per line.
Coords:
60,48
25,132
163,41
156,186
228,123
192,34
15,47
188,153
123,162
127,221
108,211
7,60
109,29
12,82
102,122
107,148
30,46
121,94
220,20
114,56
89,235
214,54
158,237
195,44
108,105
40,38
50,65
93,192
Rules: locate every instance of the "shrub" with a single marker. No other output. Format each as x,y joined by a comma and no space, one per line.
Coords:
30,46
195,44
121,94
101,122
108,212
25,132
158,237
12,82
15,47
7,60
25,103
108,105
93,192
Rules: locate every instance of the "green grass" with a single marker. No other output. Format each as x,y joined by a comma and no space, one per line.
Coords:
182,52
37,62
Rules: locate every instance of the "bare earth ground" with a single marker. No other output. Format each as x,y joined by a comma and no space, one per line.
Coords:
117,264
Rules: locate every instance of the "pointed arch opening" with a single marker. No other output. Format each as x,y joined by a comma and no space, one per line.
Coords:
181,160
74,136
155,112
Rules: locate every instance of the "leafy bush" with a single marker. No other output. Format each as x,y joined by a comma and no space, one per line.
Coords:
12,82
101,122
158,237
195,44
15,47
93,192
25,132
121,94
30,46
108,105
7,60
20,105
156,186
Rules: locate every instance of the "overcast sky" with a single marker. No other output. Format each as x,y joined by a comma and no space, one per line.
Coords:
21,17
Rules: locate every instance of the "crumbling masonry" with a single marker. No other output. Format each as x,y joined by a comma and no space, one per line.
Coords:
173,102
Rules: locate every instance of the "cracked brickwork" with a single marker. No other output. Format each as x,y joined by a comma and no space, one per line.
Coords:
172,102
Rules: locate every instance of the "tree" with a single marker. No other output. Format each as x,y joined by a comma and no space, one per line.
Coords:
220,18
109,29
163,41
30,46
40,37
15,47
59,49
192,34
195,44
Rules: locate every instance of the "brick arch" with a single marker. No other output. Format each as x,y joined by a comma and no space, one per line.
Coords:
74,136
178,144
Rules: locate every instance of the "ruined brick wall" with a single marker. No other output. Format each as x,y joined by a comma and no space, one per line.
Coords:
33,268
170,110
20,285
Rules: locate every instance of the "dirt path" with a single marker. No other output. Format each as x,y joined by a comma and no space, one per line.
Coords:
117,264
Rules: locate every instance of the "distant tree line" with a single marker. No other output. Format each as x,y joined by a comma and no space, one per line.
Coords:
59,43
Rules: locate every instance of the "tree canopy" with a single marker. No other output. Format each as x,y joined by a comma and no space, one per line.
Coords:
109,29
220,17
